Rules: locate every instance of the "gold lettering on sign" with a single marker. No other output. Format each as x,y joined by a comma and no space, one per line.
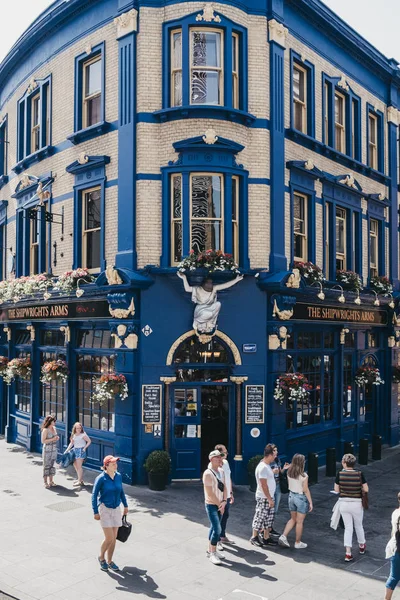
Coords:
326,313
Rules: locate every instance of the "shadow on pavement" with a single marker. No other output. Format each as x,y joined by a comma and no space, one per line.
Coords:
136,581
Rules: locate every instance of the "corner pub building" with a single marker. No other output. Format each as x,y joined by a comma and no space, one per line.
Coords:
132,132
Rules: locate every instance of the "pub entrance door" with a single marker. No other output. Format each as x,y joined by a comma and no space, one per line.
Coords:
200,421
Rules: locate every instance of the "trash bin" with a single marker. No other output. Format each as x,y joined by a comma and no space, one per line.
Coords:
363,452
312,468
330,462
348,448
376,447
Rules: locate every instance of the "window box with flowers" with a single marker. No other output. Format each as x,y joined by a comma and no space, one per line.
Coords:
349,280
212,264
53,370
18,367
309,271
293,386
381,285
108,386
69,281
368,376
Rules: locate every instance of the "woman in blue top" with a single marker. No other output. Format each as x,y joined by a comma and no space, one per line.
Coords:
106,500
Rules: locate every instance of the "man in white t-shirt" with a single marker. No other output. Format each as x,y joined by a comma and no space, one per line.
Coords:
264,515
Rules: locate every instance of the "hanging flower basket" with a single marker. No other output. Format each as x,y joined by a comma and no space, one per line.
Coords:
68,281
396,374
349,280
18,367
213,264
53,370
4,360
293,386
309,271
108,386
381,285
368,375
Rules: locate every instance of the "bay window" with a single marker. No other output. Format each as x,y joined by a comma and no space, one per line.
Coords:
300,98
373,248
206,74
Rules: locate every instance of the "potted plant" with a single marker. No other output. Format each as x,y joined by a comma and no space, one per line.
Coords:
158,466
368,375
68,281
3,365
350,280
213,264
309,271
251,470
53,370
295,386
108,386
381,285
18,367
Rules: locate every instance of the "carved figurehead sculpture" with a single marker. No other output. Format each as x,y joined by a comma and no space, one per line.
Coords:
207,307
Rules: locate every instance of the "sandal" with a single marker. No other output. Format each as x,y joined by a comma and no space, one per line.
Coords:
46,485
53,484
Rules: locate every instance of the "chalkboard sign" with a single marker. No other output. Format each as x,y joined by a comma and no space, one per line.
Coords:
151,404
254,404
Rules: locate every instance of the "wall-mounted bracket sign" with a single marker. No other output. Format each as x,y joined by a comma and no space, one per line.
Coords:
151,404
254,404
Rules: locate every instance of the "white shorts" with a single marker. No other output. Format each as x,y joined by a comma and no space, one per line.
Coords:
110,517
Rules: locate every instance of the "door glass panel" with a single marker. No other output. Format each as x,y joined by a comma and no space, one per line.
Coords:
185,403
186,431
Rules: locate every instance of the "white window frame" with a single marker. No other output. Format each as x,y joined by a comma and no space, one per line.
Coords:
208,219
342,256
372,145
340,128
374,239
85,232
219,69
173,69
175,220
303,236
35,126
297,102
85,99
235,71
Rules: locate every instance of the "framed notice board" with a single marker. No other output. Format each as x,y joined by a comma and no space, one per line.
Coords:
254,409
151,404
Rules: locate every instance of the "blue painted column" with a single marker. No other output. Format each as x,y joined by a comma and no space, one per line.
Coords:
277,39
394,216
126,23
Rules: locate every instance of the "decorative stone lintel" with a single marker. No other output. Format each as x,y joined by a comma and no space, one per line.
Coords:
66,330
168,380
31,328
342,83
210,136
126,23
393,115
277,32
238,380
208,15
8,331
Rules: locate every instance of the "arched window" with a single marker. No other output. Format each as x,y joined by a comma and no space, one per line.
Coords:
194,361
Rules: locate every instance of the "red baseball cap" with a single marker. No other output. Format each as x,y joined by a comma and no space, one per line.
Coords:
109,459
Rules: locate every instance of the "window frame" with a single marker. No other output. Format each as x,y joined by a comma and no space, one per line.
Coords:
343,255
220,70
79,190
84,198
296,62
373,236
42,91
372,147
230,98
87,98
340,127
377,115
220,220
85,59
297,101
305,237
3,150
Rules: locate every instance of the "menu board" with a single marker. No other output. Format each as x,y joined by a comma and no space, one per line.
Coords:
151,404
254,404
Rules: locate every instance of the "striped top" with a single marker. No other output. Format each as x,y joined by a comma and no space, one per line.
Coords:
349,482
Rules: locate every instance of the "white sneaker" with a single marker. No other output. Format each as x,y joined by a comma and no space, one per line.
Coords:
300,545
220,555
214,559
282,541
220,546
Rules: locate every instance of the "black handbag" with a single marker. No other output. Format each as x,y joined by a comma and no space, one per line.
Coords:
283,482
124,531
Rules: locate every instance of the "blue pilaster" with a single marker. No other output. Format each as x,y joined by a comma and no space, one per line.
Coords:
277,258
394,217
126,255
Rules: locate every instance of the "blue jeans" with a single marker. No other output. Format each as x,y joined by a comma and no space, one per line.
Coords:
215,521
394,576
225,518
277,497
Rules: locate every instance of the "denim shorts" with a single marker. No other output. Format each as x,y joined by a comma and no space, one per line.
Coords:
298,503
80,453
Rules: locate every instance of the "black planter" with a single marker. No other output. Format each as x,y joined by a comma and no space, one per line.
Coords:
222,276
158,481
197,276
252,483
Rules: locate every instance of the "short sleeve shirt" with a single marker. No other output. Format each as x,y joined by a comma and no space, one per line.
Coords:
349,482
210,480
264,471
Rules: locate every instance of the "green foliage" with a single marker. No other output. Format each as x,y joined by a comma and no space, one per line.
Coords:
158,461
253,462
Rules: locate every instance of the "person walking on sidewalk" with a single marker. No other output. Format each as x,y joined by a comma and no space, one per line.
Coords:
393,552
229,493
300,502
107,496
351,484
49,439
277,468
264,513
80,442
215,501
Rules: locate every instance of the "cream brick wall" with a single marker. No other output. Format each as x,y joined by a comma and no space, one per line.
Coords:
61,67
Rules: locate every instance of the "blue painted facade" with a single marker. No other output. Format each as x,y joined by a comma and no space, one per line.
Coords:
142,327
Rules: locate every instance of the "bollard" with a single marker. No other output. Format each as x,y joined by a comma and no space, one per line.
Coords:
376,447
312,468
363,452
348,448
330,462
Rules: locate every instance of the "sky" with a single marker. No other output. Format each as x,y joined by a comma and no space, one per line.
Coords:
378,21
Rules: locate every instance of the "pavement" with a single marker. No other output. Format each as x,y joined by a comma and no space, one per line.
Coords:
49,542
